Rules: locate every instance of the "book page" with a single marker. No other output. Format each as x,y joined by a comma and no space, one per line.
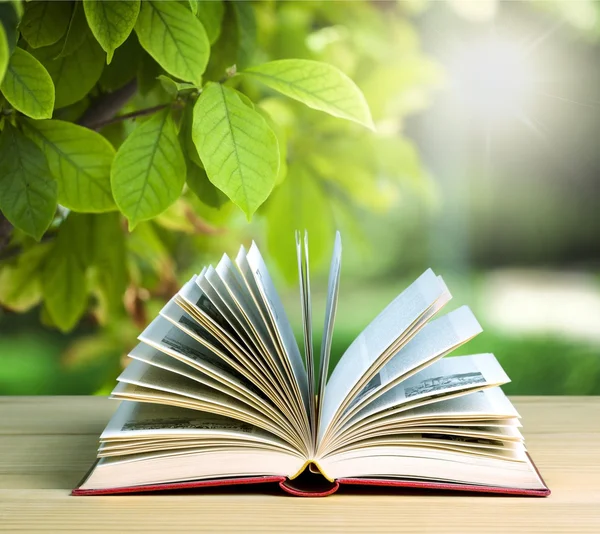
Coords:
465,440
261,346
203,283
385,330
243,323
155,384
333,287
280,322
241,304
484,404
170,333
245,368
139,420
433,341
208,391
306,306
224,447
152,356
234,291
443,378
433,464
195,302
463,408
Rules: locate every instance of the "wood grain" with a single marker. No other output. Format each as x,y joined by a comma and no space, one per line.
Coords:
48,443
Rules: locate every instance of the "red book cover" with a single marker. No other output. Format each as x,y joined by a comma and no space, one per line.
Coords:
309,485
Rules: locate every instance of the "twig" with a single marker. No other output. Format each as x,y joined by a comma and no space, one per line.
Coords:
131,115
5,232
18,249
107,106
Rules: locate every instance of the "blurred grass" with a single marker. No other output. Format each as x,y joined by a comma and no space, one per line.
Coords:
34,361
32,365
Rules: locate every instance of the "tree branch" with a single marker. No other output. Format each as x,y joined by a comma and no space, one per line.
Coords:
107,106
5,231
132,115
18,249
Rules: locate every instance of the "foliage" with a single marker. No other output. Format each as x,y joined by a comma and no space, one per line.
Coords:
180,116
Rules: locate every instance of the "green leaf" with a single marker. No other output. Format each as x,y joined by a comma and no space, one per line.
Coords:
246,100
10,15
63,277
111,22
224,52
124,65
73,112
178,217
281,142
4,53
44,23
173,87
246,24
147,74
80,161
193,4
76,31
114,133
238,149
210,15
28,86
198,182
110,258
175,38
318,85
20,282
73,75
27,190
185,137
149,169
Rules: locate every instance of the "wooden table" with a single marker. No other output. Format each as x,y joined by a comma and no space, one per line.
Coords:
48,443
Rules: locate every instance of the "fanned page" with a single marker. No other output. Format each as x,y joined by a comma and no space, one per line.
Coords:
217,392
305,302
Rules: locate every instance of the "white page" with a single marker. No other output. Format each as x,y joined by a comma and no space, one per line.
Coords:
163,334
376,338
191,292
237,285
280,320
175,314
441,378
251,318
464,406
247,334
261,349
152,356
142,374
305,304
142,381
245,270
433,341
214,297
235,349
140,419
487,403
333,287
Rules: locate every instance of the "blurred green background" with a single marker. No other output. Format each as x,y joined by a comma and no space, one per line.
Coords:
491,178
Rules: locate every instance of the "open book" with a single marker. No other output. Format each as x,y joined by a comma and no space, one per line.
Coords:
218,393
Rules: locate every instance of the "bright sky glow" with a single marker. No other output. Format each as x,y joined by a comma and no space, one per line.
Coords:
493,78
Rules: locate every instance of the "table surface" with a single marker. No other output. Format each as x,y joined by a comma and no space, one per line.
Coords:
48,443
